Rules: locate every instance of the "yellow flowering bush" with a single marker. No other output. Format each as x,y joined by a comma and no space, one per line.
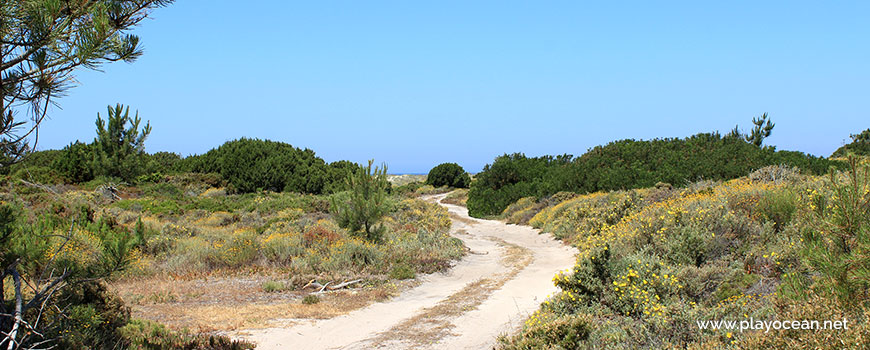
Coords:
653,261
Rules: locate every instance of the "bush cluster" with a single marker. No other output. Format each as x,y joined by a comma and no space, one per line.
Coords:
653,261
859,146
627,164
449,175
251,165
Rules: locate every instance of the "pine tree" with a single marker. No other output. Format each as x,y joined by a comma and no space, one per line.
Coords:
42,42
120,146
367,204
761,130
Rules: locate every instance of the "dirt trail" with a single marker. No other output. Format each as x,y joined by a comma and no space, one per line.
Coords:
491,291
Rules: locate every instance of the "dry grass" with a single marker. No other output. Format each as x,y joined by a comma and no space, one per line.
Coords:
457,197
464,220
232,303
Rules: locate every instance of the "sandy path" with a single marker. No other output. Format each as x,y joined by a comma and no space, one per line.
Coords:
491,291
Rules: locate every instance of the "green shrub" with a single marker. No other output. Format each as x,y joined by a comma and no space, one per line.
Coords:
74,162
449,175
778,207
119,149
860,145
39,175
274,286
310,299
365,204
93,319
627,164
402,272
164,162
146,335
566,332
837,239
251,165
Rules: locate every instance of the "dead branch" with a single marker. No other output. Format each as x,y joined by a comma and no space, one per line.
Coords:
326,287
16,278
345,284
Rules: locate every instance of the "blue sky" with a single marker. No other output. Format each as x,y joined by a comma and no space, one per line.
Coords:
414,83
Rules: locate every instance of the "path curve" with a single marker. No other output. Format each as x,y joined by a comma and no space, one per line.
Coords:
491,291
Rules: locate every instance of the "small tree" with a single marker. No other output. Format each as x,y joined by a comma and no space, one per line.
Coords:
763,128
119,148
366,204
42,42
448,174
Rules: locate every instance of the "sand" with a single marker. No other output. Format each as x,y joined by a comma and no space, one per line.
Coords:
448,310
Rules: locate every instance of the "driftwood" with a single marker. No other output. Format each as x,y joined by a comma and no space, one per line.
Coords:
324,287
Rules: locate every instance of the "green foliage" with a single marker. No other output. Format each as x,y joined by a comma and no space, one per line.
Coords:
402,272
366,202
40,175
34,159
760,131
774,245
93,319
511,177
566,332
75,162
626,164
119,149
251,165
778,207
146,335
164,162
310,299
859,146
274,286
837,243
448,174
44,42
67,256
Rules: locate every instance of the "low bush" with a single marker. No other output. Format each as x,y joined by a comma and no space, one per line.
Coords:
448,175
654,261
274,286
310,299
145,335
627,164
860,145
251,165
402,272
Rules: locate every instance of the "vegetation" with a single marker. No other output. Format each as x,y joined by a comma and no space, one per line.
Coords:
457,197
185,226
860,145
763,128
251,165
627,164
776,245
119,148
44,42
449,175
365,204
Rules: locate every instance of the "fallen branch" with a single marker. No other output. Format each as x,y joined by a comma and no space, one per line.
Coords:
345,284
326,287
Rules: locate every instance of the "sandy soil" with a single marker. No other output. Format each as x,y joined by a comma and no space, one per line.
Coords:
491,291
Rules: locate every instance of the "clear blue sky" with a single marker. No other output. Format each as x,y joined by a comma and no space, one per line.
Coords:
415,83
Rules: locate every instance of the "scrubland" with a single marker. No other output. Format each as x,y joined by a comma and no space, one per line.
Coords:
186,254
773,245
